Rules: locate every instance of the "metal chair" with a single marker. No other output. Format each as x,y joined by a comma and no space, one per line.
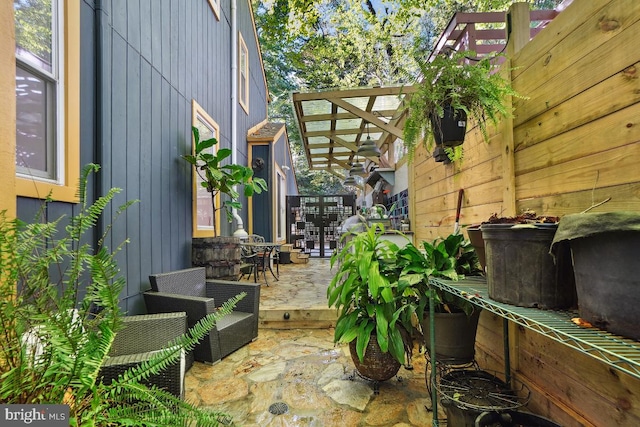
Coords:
256,238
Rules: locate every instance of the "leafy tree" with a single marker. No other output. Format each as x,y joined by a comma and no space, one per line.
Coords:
327,44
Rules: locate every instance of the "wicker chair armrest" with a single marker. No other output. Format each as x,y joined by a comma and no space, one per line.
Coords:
195,307
170,379
223,290
148,332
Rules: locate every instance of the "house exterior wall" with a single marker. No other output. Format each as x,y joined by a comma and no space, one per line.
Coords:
576,142
142,62
7,110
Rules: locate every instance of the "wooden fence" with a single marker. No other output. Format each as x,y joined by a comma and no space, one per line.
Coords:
574,143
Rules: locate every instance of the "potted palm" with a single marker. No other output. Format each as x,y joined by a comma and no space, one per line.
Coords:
456,319
453,88
374,310
219,178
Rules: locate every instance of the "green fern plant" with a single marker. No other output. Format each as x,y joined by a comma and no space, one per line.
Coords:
59,291
474,88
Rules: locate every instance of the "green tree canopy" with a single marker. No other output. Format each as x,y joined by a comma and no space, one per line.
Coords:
328,44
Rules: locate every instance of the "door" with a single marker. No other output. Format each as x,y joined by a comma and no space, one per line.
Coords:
313,222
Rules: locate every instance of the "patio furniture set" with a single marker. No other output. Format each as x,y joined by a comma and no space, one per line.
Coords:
176,301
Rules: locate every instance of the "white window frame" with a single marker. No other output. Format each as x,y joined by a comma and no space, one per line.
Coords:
65,186
55,78
201,117
243,74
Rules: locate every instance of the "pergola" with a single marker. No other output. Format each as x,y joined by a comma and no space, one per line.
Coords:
334,123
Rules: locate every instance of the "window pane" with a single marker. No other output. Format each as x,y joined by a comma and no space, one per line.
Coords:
34,125
205,208
34,32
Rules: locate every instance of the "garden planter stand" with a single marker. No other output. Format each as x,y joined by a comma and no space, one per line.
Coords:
605,248
520,270
221,256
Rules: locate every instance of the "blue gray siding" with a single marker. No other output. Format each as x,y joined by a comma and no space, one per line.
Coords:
142,63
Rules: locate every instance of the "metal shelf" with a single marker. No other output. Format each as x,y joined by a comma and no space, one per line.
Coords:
618,352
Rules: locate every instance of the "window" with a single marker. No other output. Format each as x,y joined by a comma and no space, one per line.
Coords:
203,214
215,6
281,205
243,74
47,100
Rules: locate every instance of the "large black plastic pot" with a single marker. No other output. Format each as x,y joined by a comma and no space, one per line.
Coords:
605,248
520,269
513,419
475,237
450,129
455,336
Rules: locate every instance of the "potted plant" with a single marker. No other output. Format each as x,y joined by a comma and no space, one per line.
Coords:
218,178
456,318
454,87
374,311
604,250
520,270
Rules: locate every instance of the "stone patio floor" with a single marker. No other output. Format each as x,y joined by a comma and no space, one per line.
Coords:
302,368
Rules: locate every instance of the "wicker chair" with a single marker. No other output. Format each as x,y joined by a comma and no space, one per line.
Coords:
138,340
189,291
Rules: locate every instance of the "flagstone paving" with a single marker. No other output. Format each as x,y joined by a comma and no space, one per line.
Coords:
303,369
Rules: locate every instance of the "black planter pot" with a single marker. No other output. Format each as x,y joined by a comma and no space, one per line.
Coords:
513,419
455,336
604,248
520,269
465,394
475,236
450,129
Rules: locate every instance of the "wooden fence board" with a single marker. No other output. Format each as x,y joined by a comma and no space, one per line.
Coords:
605,396
621,197
611,117
614,167
562,28
595,66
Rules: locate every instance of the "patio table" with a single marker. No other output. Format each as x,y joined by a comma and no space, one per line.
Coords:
261,257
